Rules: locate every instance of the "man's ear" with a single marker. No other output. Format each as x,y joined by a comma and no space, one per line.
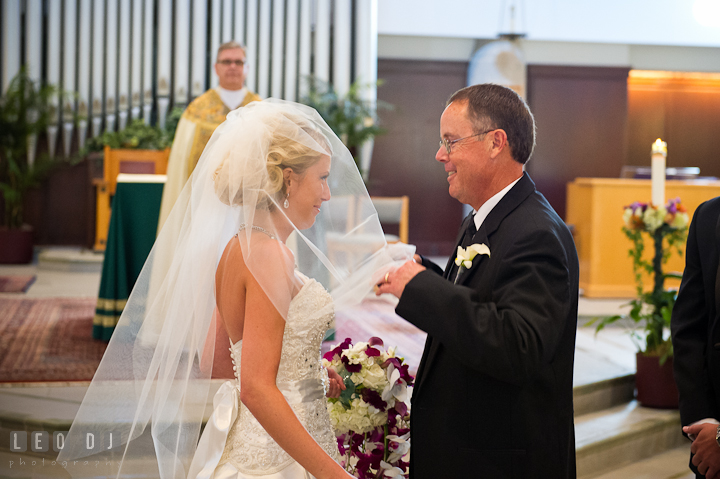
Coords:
499,142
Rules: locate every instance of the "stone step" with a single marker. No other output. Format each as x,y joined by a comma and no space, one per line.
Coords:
609,439
671,464
603,394
69,259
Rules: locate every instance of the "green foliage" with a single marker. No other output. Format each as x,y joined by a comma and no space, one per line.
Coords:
25,110
651,310
353,119
138,135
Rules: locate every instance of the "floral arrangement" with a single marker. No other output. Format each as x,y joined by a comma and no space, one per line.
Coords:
371,417
667,226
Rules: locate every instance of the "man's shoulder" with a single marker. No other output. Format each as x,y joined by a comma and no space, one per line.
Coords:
710,207
535,217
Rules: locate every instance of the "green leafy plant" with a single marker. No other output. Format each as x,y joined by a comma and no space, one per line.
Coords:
25,110
353,119
667,227
137,135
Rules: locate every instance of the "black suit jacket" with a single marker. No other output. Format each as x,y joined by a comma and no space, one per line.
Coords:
694,325
493,394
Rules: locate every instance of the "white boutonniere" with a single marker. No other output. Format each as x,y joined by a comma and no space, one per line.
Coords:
465,256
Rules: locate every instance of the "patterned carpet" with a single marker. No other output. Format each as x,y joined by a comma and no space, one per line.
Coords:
48,340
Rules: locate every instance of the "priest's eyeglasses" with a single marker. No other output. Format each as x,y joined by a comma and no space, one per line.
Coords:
448,144
237,63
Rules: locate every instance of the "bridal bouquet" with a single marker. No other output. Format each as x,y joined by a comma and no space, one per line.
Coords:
371,417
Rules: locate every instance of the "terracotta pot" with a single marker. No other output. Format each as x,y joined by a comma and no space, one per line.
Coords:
16,246
655,383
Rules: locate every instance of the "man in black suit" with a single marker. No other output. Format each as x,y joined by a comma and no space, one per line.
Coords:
696,340
493,394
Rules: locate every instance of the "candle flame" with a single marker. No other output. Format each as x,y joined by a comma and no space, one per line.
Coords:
659,148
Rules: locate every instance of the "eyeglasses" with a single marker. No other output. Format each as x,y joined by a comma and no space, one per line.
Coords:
227,63
448,144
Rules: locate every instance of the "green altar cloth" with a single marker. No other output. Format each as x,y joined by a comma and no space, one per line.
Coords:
133,225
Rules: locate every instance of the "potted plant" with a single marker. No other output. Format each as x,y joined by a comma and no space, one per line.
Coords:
25,109
651,310
353,119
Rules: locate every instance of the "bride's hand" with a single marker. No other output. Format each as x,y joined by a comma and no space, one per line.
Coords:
337,385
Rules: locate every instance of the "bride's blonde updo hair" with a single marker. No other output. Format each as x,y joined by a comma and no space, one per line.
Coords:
291,141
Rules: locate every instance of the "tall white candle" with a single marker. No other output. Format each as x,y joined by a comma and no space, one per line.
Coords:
659,154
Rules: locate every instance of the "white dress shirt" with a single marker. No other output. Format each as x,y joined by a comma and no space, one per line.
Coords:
480,215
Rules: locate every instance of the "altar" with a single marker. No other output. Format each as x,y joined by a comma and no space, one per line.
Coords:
594,211
133,225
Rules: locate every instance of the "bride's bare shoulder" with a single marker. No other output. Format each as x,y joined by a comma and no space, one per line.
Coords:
263,253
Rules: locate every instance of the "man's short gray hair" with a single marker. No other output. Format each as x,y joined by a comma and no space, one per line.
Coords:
229,46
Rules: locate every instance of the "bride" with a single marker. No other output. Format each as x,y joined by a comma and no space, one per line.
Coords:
258,244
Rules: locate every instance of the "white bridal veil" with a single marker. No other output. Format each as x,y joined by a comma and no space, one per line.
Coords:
142,414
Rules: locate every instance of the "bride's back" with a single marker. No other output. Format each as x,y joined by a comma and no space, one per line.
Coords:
230,289
272,266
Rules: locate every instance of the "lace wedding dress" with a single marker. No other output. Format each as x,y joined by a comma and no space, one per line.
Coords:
234,444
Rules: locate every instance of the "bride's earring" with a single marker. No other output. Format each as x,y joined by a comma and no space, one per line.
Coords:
286,203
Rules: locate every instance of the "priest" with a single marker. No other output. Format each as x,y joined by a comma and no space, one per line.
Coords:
202,116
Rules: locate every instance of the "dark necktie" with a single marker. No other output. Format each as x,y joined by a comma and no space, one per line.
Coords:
466,241
469,233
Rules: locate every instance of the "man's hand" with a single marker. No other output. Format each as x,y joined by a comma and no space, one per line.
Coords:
337,385
705,449
394,282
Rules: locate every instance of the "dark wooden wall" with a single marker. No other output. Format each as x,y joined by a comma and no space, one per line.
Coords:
404,159
62,209
684,112
581,119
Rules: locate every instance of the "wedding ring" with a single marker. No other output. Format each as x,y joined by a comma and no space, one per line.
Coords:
386,276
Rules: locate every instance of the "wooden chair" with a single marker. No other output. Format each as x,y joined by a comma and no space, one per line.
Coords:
394,210
118,161
355,243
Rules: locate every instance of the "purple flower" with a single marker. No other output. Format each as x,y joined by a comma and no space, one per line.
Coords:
372,352
401,408
672,206
369,460
373,398
394,361
375,341
377,435
351,368
635,206
403,368
356,443
341,444
338,349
